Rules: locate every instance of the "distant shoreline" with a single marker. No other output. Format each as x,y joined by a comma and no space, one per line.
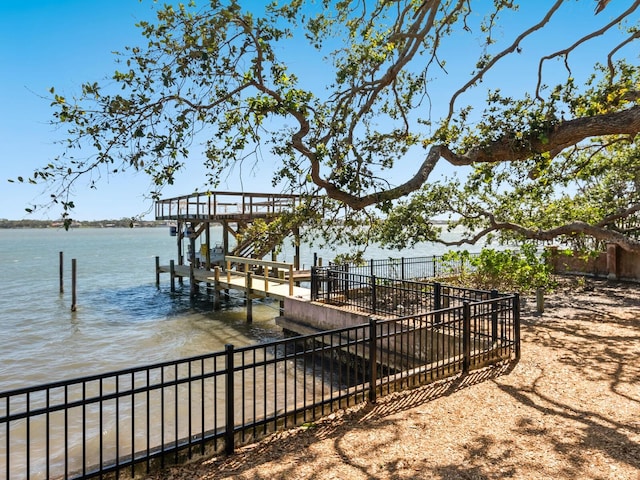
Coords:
122,223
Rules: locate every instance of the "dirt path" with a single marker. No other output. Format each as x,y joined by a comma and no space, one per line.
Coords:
570,409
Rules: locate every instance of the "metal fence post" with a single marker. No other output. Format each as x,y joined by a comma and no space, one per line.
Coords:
314,281
347,285
516,323
374,296
229,438
373,360
328,276
466,337
437,300
494,316
437,296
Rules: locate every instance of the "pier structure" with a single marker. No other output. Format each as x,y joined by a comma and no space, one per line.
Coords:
194,214
218,264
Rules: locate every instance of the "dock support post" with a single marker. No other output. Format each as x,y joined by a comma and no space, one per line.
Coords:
248,299
192,281
226,290
290,280
157,272
172,272
73,285
181,227
225,237
207,264
61,273
296,257
216,288
207,236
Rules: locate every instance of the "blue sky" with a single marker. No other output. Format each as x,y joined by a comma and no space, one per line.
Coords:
64,43
59,43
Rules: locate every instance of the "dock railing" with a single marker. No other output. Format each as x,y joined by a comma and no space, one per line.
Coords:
133,421
270,271
208,205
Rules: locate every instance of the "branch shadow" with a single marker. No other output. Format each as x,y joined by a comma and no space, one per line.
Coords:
597,330
589,339
297,442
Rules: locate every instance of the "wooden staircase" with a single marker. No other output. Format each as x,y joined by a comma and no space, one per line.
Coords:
252,246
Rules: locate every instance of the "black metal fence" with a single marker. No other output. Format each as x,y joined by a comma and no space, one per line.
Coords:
339,285
413,268
131,421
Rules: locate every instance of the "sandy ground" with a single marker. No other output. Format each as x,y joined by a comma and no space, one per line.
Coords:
570,409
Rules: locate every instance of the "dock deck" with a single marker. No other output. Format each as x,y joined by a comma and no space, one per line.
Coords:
260,287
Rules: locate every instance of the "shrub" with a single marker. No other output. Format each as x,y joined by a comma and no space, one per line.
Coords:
523,270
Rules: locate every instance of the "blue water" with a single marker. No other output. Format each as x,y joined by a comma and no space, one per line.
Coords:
122,320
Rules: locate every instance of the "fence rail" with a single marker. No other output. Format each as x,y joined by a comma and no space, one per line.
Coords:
413,268
338,285
131,421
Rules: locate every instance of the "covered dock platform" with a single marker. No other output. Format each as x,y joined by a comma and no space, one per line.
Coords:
193,215
237,260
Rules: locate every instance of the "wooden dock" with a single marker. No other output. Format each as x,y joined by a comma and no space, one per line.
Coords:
235,211
245,270
277,280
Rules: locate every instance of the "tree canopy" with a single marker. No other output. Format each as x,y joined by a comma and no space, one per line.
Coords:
361,102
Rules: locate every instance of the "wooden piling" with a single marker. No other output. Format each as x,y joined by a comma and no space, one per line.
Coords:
61,273
172,272
180,236
207,234
157,272
216,288
248,298
296,255
192,281
73,285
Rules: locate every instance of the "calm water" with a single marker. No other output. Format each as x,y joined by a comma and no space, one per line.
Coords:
122,320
